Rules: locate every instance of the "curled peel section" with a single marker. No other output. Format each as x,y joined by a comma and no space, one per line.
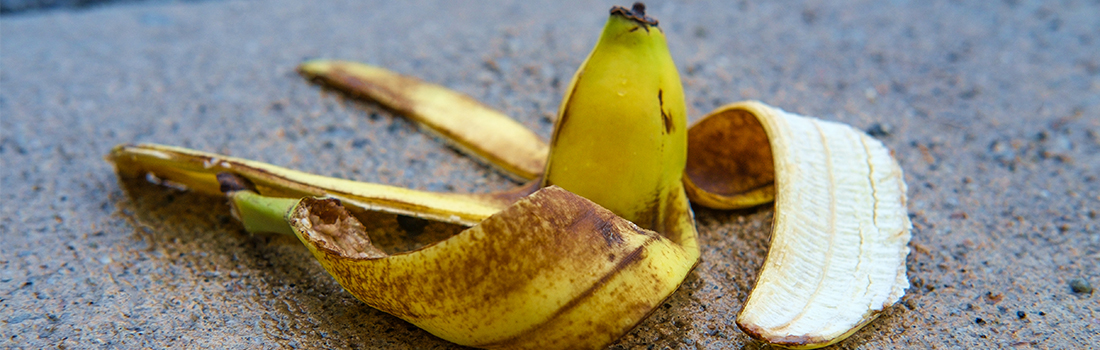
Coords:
554,270
841,229
729,165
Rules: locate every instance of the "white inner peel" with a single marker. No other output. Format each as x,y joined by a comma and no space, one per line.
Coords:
840,237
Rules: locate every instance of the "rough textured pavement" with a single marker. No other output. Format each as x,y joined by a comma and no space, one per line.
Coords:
992,109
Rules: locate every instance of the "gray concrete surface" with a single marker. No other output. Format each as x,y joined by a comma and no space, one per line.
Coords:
992,110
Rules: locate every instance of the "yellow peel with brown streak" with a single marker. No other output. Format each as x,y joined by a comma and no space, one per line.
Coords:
552,271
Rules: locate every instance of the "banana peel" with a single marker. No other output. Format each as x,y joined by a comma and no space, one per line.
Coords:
836,259
865,242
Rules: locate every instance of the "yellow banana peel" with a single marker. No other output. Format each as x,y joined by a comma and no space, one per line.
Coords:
577,266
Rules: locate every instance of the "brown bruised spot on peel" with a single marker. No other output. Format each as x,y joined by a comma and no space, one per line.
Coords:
327,224
729,154
665,117
594,222
651,217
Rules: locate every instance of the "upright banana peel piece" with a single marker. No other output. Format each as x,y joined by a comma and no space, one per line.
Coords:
621,134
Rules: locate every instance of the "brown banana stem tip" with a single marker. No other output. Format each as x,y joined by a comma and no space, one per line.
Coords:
637,13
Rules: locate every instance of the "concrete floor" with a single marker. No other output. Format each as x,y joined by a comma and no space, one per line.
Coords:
992,109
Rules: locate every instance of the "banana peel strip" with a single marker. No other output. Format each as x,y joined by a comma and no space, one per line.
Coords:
457,119
840,233
195,170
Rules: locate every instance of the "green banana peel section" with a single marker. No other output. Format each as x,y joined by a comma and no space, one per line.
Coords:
552,271
195,170
463,122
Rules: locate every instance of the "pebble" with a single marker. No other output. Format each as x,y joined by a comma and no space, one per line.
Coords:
1080,286
880,130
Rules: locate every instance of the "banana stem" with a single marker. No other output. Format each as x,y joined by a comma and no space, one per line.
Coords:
260,213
